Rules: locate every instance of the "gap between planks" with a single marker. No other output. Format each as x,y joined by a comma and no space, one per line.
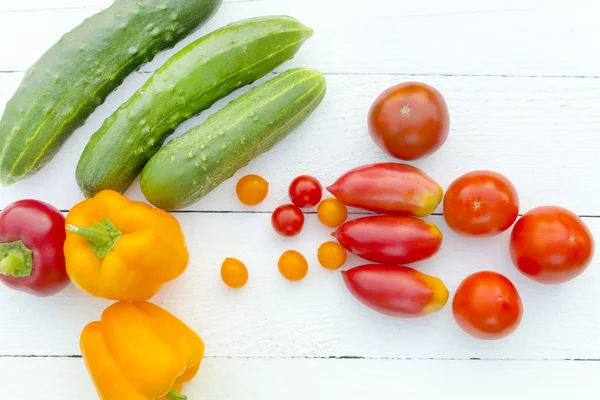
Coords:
406,74
94,6
77,356
435,214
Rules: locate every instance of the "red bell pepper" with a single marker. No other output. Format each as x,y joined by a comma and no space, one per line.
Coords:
32,236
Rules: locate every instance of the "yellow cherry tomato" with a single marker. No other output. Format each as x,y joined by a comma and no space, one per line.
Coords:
252,189
293,266
234,273
332,212
331,255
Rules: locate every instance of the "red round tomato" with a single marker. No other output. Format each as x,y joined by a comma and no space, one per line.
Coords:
487,306
551,245
305,191
481,203
287,220
409,120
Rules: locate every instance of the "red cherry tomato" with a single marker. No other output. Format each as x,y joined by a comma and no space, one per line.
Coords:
409,120
287,220
481,203
396,291
487,306
305,191
551,245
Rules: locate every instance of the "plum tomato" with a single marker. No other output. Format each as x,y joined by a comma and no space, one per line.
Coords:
305,191
390,239
252,190
487,306
332,213
409,120
287,220
331,255
388,188
234,273
481,203
551,245
397,291
292,266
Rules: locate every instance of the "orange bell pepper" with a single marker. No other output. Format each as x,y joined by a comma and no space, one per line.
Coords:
120,249
139,351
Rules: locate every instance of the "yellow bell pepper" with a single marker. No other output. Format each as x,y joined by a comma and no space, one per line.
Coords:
120,249
139,351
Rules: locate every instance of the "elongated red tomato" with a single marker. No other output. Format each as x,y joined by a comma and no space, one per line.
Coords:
396,291
389,188
551,245
390,239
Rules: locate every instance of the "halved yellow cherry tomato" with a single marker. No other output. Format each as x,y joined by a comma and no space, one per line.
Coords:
293,266
332,212
331,255
234,273
252,189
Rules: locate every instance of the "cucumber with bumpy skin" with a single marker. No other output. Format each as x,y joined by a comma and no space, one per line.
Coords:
190,166
61,90
190,82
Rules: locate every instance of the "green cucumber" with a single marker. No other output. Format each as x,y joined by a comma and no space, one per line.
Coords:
190,82
61,90
192,165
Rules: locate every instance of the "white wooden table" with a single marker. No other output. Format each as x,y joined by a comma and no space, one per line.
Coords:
522,81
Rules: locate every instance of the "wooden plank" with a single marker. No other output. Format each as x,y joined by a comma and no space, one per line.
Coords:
469,37
317,317
300,379
538,132
19,6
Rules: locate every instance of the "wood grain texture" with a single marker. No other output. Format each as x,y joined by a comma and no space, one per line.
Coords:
522,83
244,379
318,317
469,37
539,132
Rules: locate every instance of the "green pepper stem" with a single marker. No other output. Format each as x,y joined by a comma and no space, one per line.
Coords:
91,235
175,395
15,259
102,236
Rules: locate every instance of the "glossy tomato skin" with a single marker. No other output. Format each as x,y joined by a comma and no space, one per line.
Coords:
551,245
332,213
481,203
388,188
409,120
390,239
252,190
396,291
487,306
305,191
287,220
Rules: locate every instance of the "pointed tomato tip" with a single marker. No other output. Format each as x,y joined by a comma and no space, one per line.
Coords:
331,189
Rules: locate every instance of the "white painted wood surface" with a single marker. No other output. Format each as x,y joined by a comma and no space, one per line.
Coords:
522,81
